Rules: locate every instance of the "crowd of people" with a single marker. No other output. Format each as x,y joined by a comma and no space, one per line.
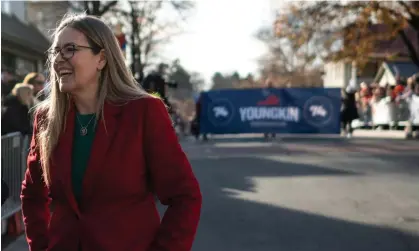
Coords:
17,99
370,105
19,95
382,107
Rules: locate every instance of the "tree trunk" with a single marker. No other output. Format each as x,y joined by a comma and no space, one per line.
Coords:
96,8
141,73
134,26
140,60
412,51
86,7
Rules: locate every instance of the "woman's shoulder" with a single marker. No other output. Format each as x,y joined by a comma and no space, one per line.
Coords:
144,103
139,110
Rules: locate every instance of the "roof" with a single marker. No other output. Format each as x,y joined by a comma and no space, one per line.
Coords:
397,69
14,30
402,69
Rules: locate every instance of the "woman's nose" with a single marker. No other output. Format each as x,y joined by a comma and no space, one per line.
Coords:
58,58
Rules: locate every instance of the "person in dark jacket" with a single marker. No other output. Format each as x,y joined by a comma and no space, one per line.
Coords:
16,117
269,85
156,83
8,81
196,122
348,111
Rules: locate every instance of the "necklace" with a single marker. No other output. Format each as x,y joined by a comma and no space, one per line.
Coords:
83,129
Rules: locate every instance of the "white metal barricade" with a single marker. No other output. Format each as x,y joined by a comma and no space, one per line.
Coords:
14,149
383,112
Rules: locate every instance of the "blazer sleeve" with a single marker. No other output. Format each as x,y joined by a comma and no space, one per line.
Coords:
35,201
172,180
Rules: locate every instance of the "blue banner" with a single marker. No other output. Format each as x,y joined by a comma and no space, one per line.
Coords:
291,110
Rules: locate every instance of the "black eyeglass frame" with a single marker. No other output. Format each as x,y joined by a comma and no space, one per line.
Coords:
75,47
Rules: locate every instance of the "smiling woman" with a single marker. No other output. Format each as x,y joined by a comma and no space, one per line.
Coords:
97,151
66,68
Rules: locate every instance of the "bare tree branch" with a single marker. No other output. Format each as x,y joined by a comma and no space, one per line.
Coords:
96,8
107,7
149,30
406,7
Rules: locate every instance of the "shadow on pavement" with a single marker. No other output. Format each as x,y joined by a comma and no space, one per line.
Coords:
231,224
235,172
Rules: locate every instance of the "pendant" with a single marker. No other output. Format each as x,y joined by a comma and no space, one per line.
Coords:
83,131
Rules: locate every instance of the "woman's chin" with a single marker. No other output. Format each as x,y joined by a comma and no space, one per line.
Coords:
66,87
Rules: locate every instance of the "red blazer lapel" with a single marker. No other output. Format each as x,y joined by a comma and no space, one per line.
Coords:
105,133
62,158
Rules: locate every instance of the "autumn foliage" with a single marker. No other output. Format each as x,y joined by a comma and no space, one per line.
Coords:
351,30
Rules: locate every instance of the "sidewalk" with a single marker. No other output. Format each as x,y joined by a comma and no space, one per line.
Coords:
382,134
358,133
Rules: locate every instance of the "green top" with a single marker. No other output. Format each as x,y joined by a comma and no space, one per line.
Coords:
82,146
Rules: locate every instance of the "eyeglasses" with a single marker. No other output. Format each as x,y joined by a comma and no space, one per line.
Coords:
67,51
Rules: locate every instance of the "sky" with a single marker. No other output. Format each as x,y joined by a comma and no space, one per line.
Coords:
220,36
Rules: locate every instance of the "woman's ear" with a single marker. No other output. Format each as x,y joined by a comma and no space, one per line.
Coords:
102,60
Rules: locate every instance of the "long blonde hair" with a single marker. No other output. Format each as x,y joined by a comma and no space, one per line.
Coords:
117,85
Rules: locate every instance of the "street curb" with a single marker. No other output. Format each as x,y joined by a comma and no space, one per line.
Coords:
359,133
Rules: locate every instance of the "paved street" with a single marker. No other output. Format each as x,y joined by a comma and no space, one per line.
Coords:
300,194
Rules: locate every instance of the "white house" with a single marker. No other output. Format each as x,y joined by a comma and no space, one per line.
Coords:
388,72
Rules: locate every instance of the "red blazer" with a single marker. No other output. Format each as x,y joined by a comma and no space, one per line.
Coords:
136,155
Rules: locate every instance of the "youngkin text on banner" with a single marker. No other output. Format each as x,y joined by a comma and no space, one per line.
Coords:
294,110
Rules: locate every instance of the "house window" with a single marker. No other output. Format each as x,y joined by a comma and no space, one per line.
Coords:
5,6
40,16
8,60
24,66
